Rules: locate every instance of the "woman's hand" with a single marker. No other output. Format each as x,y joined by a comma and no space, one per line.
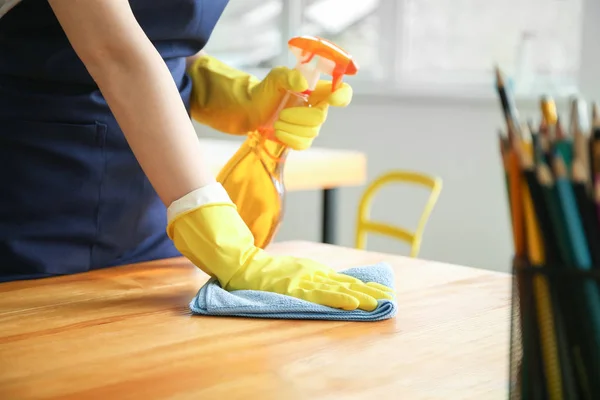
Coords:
235,102
207,229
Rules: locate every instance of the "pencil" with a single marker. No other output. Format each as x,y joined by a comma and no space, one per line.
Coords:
582,121
543,128
516,202
527,155
531,372
597,201
559,133
574,115
545,316
581,153
551,134
509,109
516,358
546,180
575,231
580,130
587,210
581,260
503,146
531,126
594,151
545,145
566,292
548,108
524,354
525,136
551,255
563,144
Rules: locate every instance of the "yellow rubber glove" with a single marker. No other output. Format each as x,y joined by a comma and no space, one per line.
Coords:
207,229
235,102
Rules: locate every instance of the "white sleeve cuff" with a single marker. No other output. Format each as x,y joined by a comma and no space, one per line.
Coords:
209,194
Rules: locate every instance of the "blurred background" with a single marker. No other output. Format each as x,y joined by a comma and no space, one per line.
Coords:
424,100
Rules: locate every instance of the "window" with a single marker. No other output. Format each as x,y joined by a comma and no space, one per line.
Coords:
537,41
249,34
353,27
417,43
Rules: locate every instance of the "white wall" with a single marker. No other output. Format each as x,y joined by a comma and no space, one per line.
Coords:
454,139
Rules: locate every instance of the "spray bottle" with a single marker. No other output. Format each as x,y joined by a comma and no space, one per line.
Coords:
253,177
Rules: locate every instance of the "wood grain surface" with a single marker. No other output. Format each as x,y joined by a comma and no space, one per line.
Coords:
311,169
127,333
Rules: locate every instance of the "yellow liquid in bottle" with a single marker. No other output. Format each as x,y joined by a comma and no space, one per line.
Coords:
253,178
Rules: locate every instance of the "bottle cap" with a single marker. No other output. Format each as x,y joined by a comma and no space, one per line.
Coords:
332,59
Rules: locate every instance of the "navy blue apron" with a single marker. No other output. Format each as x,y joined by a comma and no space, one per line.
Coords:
72,196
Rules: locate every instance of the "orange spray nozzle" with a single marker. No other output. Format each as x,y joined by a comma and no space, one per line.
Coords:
337,61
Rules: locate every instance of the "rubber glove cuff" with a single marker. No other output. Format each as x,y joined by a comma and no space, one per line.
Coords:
211,194
207,229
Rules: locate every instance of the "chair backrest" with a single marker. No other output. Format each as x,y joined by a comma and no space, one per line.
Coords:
364,225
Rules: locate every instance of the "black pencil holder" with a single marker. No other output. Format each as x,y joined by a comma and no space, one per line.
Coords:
555,336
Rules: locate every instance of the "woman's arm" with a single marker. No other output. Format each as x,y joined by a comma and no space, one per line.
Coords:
140,91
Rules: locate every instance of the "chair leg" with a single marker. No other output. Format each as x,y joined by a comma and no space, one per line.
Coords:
329,224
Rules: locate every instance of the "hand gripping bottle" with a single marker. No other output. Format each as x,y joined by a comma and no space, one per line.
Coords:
253,177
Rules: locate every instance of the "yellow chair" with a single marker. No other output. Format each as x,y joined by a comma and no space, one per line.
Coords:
364,225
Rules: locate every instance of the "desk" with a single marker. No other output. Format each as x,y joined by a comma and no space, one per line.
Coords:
126,332
312,169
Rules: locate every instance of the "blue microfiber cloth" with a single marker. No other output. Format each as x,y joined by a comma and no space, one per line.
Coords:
213,300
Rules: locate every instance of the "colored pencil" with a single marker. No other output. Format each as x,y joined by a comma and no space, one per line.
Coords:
516,202
509,109
581,259
574,115
503,145
527,164
546,180
587,209
551,257
543,128
531,371
552,179
572,218
574,228
581,153
595,112
594,151
544,313
563,145
546,146
548,108
597,205
539,154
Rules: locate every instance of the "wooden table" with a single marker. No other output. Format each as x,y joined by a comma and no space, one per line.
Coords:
127,333
312,169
